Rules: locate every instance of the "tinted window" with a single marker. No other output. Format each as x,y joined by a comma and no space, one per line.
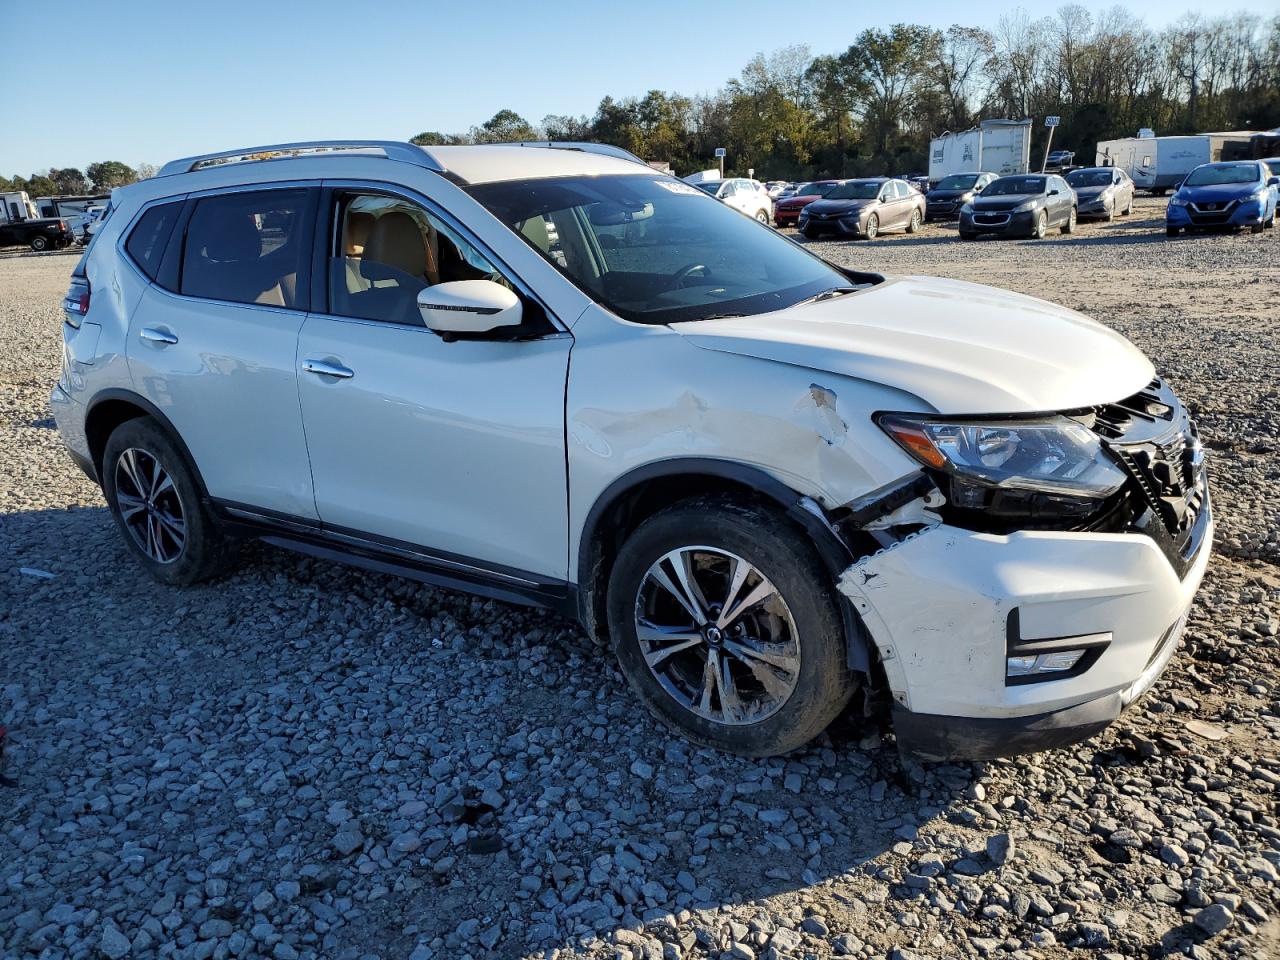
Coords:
855,190
958,181
902,190
389,250
248,248
1215,173
1013,186
150,235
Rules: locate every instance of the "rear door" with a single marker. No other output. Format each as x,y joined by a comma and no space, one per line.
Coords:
213,340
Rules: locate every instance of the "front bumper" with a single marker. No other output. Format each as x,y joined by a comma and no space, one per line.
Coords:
1236,214
786,218
1006,223
942,209
942,608
1097,207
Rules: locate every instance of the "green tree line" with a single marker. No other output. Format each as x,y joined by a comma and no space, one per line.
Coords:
873,107
99,177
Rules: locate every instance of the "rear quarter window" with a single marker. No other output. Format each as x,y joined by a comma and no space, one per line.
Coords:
150,236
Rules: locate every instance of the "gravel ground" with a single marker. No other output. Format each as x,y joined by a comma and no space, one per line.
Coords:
304,760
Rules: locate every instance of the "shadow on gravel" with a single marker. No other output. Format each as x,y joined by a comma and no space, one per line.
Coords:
424,763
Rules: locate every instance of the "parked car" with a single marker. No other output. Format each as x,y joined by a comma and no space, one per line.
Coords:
43,233
944,201
743,195
1102,192
864,208
1059,160
1020,206
778,188
766,481
786,211
1235,194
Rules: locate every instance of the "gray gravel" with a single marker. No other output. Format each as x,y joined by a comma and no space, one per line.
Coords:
304,760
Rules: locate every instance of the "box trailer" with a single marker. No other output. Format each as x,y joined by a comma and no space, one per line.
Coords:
994,146
1159,164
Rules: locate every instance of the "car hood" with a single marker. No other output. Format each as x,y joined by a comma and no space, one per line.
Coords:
1090,193
1004,201
948,194
788,202
1219,193
961,347
836,206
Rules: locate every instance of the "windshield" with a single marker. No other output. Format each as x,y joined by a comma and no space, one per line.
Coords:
1010,186
815,190
1214,173
655,250
855,190
958,181
712,188
1089,178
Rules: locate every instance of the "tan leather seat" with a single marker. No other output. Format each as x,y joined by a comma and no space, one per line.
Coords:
396,240
359,224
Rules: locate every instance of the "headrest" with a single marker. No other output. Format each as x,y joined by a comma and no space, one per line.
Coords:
359,224
396,240
232,235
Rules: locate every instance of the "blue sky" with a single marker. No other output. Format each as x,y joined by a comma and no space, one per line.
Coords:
151,80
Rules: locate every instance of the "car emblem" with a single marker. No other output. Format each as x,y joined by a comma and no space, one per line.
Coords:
1211,206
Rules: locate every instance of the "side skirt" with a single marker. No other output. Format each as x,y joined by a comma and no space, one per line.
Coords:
385,555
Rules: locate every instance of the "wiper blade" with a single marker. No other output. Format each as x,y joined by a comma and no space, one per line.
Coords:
720,316
827,295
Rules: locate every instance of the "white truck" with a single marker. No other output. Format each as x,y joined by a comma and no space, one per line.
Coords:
1159,164
993,146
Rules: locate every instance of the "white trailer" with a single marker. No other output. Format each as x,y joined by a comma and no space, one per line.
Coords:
1159,164
993,146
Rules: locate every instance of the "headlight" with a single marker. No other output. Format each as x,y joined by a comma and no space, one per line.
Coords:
1260,196
1177,202
1024,207
1053,456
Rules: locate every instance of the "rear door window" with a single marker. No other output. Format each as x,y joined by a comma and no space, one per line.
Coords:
250,248
150,235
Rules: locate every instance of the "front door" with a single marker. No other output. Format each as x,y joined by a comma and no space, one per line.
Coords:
212,341
454,447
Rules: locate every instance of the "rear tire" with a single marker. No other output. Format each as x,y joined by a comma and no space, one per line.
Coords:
914,225
797,623
39,244
156,501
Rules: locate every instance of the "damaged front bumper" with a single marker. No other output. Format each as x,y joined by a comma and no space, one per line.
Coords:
946,608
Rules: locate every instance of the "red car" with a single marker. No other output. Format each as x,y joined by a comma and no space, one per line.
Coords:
787,212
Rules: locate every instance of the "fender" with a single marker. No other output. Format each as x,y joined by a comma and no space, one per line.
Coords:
151,410
834,551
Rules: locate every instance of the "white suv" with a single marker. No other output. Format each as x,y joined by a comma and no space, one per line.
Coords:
555,376
745,196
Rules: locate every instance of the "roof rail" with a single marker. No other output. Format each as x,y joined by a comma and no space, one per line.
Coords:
391,149
604,149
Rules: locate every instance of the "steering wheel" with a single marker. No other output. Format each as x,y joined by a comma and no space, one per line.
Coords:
686,271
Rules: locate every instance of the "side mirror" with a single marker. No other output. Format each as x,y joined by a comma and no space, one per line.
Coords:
1274,182
462,307
1053,192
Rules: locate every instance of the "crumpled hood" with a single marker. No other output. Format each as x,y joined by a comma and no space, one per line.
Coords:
962,348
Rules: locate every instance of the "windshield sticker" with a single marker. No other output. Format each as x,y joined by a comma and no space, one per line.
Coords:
675,186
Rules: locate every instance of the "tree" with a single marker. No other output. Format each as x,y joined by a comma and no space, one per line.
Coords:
69,180
889,64
961,68
40,186
432,138
505,126
146,171
109,174
563,127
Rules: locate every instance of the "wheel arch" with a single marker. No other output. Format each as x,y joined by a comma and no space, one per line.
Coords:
112,407
637,495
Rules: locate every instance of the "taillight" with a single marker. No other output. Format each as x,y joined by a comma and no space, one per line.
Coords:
76,303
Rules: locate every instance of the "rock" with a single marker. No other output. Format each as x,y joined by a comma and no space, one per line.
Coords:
815,926
113,943
347,841
642,770
1213,919
1001,848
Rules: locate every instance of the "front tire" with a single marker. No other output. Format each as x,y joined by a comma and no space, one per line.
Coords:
872,229
1041,226
722,618
966,235
156,501
1070,225
1171,231
762,217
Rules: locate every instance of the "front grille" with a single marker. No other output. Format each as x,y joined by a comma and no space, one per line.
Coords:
1154,439
991,219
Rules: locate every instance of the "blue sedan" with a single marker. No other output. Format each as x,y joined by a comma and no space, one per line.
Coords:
1241,193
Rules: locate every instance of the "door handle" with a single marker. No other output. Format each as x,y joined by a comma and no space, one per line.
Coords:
326,368
158,335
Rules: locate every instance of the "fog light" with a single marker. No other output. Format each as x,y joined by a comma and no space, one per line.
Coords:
1030,664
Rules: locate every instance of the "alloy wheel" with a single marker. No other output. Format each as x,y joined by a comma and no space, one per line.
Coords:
873,227
150,506
717,635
